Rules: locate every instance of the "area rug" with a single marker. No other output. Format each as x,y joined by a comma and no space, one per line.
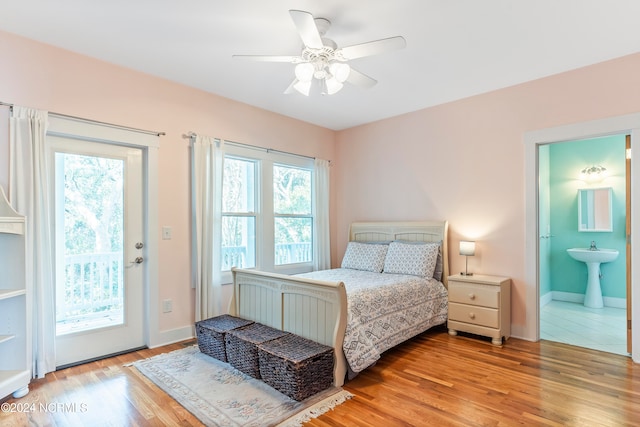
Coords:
219,395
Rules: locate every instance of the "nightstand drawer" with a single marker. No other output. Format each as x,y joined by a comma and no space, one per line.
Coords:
472,314
486,296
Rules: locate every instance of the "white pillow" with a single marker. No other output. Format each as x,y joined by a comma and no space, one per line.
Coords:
364,256
438,271
411,258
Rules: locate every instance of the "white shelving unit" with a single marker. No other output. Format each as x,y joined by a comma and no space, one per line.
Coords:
15,319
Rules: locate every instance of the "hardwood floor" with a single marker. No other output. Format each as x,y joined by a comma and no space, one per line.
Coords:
434,379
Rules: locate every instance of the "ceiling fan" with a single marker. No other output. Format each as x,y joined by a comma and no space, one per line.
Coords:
322,62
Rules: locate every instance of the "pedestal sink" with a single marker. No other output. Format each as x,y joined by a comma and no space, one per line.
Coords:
593,259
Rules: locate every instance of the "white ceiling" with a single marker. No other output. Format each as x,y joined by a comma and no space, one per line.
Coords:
455,48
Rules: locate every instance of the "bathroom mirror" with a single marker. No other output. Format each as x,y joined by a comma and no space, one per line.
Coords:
594,209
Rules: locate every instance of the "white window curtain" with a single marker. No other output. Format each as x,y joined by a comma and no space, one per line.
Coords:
30,195
206,187
322,230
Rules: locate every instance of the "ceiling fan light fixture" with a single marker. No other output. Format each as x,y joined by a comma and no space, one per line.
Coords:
320,74
304,72
331,86
321,62
303,87
340,71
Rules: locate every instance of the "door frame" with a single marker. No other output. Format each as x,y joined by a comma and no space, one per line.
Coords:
628,223
627,124
149,143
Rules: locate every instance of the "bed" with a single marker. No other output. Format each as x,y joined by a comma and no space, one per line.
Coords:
357,319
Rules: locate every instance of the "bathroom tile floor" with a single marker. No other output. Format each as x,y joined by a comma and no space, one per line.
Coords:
571,323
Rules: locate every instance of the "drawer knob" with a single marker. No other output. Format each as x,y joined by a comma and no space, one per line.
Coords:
472,296
472,315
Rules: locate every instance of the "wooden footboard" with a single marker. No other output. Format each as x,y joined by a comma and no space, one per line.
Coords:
313,309
316,309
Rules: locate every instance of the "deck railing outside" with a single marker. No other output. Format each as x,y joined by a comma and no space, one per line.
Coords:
94,283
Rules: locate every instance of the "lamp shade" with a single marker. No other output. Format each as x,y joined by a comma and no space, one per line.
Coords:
467,248
304,71
340,71
331,86
303,87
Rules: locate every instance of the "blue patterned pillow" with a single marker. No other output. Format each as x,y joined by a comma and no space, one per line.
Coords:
364,256
413,259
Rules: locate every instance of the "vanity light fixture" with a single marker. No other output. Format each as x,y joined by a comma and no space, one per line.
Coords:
467,248
595,173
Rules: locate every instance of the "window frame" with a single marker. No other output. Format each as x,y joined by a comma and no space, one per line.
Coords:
264,207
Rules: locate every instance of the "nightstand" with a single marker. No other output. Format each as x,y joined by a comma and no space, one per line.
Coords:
480,305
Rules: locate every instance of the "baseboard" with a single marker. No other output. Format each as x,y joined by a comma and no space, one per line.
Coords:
579,299
519,332
615,302
173,335
546,299
567,297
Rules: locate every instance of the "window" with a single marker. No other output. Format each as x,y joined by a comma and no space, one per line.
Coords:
293,218
267,204
238,214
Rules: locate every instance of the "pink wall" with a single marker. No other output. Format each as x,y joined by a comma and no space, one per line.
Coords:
464,162
44,77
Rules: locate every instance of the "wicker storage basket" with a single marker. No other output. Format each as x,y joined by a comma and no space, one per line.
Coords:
296,366
211,332
242,346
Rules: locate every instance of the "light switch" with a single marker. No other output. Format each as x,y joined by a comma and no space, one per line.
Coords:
166,233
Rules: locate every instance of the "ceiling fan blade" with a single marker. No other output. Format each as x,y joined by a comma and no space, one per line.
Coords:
372,48
269,58
356,78
307,28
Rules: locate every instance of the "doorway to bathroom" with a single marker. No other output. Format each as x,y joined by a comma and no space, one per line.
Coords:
583,202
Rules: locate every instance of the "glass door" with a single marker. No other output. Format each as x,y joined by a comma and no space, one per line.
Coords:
99,249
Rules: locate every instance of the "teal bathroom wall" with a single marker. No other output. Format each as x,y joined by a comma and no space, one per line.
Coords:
566,160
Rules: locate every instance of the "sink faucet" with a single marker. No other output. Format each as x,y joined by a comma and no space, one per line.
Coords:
593,246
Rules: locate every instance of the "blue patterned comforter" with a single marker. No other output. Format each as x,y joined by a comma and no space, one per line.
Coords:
384,310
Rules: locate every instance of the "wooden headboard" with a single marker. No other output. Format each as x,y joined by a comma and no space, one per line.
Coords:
414,231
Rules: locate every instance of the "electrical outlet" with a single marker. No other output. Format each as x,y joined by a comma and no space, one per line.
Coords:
167,306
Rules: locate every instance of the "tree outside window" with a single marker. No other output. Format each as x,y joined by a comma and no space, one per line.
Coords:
293,219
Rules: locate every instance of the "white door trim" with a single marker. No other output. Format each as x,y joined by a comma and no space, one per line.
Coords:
149,143
627,124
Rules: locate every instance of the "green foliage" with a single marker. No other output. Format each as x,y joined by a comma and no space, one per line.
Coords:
238,196
291,190
292,196
291,203
93,204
